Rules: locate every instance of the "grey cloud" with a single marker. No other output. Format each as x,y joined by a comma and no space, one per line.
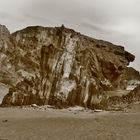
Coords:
115,21
95,28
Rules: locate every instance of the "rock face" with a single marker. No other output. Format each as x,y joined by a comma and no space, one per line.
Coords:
14,62
132,74
61,67
133,96
130,78
6,56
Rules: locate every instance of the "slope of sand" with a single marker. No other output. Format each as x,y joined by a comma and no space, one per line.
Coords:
51,124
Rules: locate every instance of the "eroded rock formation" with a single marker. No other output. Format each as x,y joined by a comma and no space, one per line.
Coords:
130,78
132,97
65,68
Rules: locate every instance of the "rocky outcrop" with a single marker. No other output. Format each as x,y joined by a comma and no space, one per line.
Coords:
132,74
132,97
130,78
65,68
14,60
7,56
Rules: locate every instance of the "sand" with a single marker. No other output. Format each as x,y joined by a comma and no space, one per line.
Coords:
42,123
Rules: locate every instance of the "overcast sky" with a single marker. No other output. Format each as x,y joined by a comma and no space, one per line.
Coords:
117,21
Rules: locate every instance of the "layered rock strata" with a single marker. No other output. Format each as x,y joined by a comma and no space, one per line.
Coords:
65,68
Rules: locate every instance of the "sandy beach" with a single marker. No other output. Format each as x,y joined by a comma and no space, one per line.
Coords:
30,123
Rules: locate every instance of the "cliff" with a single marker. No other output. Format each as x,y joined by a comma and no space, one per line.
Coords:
132,74
7,57
61,67
122,101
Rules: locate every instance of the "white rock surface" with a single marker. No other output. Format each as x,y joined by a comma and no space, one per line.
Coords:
3,91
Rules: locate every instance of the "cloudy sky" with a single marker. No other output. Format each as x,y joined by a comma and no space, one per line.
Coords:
117,21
